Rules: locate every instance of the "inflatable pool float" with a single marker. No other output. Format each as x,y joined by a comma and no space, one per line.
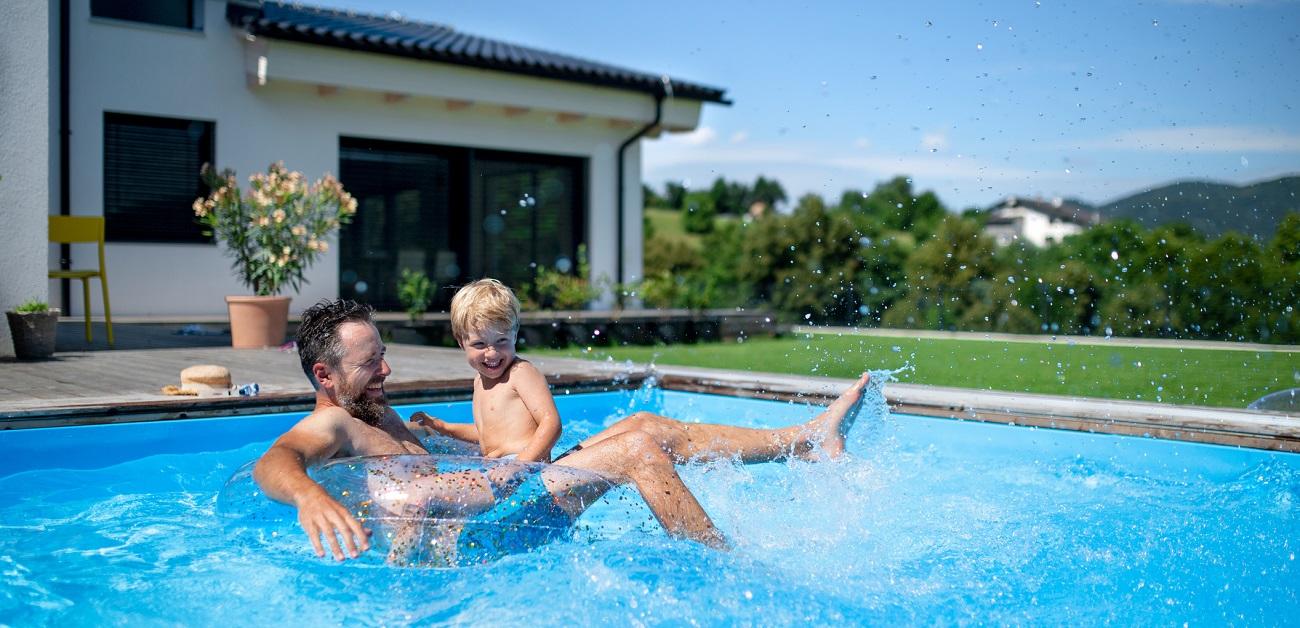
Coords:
432,510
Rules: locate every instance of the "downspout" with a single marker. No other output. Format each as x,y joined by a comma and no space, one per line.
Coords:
665,90
65,203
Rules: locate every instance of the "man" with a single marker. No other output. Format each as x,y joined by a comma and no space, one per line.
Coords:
341,351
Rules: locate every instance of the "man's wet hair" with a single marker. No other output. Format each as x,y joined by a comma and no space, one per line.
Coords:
318,333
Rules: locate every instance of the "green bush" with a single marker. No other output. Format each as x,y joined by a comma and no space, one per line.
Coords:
555,290
698,213
415,291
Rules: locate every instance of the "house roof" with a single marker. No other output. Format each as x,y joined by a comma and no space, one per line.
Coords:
437,42
1069,211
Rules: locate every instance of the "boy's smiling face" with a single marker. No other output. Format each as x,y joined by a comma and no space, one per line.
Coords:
489,351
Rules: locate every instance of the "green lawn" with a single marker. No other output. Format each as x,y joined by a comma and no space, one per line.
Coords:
668,223
1183,376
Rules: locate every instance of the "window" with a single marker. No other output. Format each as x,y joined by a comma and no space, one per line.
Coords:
187,14
151,177
524,207
456,213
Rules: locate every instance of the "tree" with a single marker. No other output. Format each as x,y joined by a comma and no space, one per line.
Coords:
649,198
729,197
674,195
1281,307
944,277
698,212
767,191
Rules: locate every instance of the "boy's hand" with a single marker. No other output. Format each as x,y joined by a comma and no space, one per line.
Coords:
433,424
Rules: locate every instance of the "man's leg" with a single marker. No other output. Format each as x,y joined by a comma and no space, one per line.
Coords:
705,441
637,458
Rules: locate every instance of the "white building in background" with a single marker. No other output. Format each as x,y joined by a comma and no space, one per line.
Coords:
1037,222
439,134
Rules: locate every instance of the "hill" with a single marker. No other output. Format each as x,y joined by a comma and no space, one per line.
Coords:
1213,208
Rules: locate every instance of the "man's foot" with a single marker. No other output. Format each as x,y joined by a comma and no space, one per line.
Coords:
831,427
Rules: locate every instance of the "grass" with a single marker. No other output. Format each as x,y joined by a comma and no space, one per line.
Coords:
1206,377
668,223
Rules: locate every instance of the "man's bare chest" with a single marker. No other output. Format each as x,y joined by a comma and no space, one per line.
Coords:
376,441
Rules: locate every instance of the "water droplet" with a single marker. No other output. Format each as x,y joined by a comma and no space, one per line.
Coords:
1244,162
896,349
1156,23
1114,255
979,46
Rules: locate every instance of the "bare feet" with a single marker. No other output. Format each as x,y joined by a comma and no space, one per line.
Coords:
833,425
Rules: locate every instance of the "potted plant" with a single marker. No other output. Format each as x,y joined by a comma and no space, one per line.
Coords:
274,230
33,326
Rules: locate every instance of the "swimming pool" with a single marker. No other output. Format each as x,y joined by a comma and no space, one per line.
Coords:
931,521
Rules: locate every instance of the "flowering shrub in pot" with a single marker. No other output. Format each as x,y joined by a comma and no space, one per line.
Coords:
274,229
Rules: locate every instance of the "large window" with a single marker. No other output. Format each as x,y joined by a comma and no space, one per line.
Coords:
457,214
523,211
186,14
151,177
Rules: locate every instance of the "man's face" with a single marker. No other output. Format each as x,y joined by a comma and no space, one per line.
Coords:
359,378
489,351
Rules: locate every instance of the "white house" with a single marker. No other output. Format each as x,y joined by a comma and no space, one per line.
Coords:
1037,222
439,134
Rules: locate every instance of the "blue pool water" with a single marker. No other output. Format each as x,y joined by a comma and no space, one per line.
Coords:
929,521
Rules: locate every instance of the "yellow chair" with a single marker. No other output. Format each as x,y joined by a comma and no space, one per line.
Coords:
74,229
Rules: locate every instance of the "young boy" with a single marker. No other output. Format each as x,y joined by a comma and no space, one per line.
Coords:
514,413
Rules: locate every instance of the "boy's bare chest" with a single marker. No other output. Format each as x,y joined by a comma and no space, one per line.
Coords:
499,407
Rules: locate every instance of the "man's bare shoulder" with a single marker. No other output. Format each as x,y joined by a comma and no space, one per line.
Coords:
328,416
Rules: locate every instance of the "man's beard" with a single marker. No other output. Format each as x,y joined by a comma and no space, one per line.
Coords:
369,411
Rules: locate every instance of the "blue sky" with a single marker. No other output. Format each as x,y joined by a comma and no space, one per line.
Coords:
974,100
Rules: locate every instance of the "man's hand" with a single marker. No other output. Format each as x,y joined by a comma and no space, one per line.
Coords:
320,515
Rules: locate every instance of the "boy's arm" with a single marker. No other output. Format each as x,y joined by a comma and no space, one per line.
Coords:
536,395
467,432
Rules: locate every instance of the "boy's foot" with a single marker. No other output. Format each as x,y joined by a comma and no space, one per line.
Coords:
833,425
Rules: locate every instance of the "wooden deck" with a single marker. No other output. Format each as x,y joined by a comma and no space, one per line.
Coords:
126,384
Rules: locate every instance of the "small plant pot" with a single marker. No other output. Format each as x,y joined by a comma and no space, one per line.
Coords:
257,322
33,333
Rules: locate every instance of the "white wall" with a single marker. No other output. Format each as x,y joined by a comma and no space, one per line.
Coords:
26,65
170,72
1031,226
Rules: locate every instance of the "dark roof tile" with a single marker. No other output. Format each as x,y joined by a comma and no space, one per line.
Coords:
437,42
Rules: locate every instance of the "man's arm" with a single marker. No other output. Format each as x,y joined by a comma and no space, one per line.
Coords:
282,475
459,431
536,395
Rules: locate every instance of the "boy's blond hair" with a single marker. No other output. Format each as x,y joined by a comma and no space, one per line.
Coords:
483,304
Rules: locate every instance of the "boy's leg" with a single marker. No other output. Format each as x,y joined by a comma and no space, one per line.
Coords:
706,441
635,457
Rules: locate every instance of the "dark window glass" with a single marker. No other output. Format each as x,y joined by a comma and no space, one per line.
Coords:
527,212
151,177
456,213
405,193
177,13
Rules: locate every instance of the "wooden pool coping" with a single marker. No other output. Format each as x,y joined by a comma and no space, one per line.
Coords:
1219,426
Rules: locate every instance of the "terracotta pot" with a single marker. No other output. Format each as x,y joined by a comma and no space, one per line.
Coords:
33,333
257,322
